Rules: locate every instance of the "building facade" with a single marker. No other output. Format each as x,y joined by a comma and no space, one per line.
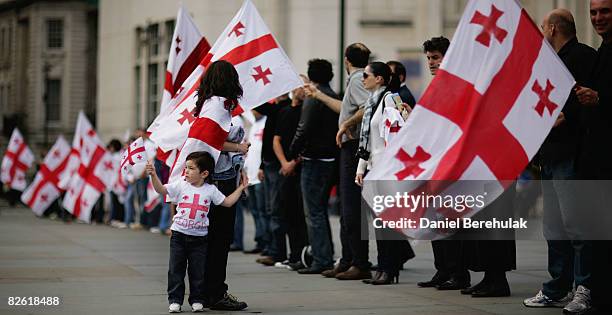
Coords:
135,39
47,67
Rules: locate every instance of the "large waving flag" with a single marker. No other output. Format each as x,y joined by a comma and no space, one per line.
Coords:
16,161
45,187
208,133
189,47
95,170
483,117
265,73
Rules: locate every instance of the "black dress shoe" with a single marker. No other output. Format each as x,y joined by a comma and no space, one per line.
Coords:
492,290
473,288
453,284
386,278
436,280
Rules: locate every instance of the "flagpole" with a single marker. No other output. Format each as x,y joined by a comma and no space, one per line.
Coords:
341,48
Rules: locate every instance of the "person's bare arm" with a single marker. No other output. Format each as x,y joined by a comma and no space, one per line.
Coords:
233,197
332,103
236,147
347,124
157,185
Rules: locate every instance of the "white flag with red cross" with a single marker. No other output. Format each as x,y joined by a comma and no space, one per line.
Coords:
208,133
16,161
265,73
134,154
94,173
45,188
188,49
152,198
489,108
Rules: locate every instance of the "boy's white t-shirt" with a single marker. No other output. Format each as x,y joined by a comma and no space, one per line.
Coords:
192,206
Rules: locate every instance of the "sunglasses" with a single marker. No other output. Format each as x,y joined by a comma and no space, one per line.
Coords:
366,75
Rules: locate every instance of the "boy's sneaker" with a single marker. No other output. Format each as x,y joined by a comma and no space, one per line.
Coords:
581,302
197,307
229,303
174,308
541,300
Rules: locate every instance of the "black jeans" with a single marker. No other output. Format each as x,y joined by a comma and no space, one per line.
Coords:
186,253
448,259
220,236
354,248
292,212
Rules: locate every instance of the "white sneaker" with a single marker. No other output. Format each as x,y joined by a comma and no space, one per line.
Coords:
197,307
281,265
174,308
121,225
541,300
581,302
155,230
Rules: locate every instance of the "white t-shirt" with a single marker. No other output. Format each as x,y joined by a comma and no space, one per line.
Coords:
192,206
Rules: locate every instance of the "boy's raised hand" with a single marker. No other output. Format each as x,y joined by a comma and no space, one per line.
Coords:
149,169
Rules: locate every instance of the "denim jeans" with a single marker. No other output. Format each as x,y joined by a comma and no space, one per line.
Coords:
187,253
272,183
257,205
239,224
164,217
569,256
136,191
316,182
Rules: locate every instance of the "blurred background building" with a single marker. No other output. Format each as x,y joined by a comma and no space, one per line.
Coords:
109,57
48,67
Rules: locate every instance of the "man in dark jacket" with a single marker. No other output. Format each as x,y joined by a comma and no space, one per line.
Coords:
314,141
569,256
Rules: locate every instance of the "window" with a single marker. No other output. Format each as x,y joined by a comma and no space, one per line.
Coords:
169,33
153,37
152,92
55,33
137,89
53,97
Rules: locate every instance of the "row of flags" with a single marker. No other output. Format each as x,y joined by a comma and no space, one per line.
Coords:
495,98
86,169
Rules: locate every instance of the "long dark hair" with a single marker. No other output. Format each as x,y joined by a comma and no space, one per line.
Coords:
220,79
390,80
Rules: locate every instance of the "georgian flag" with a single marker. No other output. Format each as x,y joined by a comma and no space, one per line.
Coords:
94,172
494,99
208,133
135,153
265,73
152,198
45,188
16,161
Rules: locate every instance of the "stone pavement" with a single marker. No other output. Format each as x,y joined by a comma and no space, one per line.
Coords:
96,269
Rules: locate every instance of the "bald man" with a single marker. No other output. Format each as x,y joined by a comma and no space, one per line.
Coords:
569,258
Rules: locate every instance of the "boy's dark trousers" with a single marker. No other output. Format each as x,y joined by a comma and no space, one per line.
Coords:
187,253
221,235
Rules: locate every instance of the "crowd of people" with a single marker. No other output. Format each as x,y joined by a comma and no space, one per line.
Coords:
315,141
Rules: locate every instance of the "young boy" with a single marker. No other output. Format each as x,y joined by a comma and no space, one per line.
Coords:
188,244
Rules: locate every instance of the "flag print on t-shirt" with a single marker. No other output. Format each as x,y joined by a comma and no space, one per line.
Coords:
193,204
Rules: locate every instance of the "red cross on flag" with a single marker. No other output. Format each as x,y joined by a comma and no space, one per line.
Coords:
187,50
134,154
208,133
16,161
265,73
485,114
94,172
45,187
